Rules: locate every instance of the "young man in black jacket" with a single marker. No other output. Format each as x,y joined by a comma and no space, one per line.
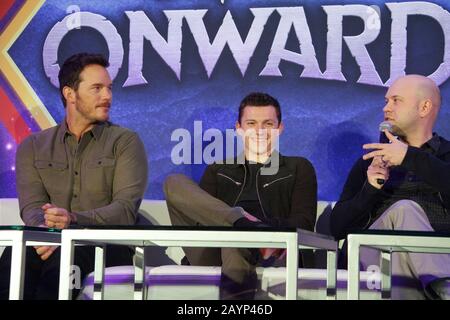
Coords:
243,195
403,185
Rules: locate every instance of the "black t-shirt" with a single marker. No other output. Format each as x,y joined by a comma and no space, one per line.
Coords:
248,199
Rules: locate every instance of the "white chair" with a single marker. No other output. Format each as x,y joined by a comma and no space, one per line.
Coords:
167,279
9,214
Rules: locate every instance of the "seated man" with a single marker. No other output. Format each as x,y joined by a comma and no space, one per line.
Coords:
242,195
84,171
403,185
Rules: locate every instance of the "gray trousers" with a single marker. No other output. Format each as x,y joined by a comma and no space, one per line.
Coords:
189,205
411,272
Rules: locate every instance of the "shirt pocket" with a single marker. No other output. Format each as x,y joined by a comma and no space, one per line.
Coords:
54,175
99,175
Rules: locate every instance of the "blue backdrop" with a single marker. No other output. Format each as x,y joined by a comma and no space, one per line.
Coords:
326,121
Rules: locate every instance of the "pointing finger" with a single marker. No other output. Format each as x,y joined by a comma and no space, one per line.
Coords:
374,146
373,154
390,136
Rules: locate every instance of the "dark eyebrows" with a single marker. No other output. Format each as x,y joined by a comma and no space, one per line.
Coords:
100,85
270,122
264,121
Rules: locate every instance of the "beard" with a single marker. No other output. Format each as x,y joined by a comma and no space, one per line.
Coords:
90,113
398,132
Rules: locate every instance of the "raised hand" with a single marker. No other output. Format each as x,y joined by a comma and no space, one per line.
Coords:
392,154
377,170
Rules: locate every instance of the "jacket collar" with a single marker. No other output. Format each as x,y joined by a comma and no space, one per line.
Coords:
234,162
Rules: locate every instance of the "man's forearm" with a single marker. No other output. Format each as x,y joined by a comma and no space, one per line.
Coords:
118,212
33,217
353,212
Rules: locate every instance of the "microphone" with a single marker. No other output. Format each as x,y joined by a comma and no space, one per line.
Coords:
385,125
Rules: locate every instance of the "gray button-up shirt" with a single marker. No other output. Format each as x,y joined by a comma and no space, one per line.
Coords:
102,178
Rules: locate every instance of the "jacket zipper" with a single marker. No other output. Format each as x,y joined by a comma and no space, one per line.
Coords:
370,213
269,183
442,202
236,182
257,193
243,185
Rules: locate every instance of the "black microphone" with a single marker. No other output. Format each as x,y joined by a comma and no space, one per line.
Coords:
385,125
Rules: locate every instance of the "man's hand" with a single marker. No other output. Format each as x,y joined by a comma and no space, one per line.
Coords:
250,217
57,217
54,218
267,253
391,153
377,170
45,251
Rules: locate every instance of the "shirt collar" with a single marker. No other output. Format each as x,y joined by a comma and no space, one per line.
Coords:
96,130
434,143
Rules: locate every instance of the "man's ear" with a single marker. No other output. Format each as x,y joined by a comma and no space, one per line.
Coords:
281,127
68,93
425,108
239,130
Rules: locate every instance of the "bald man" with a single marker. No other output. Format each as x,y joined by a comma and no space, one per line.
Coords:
415,195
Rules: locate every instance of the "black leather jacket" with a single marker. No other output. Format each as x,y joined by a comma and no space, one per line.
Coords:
287,198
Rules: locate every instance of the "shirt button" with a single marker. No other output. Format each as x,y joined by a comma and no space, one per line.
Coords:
75,196
99,162
76,173
49,164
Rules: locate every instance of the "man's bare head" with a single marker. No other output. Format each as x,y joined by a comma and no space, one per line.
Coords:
425,88
412,103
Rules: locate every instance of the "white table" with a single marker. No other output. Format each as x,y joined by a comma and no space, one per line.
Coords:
289,238
388,241
18,237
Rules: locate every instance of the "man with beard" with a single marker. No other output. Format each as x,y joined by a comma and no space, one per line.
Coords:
84,171
403,185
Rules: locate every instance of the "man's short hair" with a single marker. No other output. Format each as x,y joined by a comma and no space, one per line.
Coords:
69,74
259,99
